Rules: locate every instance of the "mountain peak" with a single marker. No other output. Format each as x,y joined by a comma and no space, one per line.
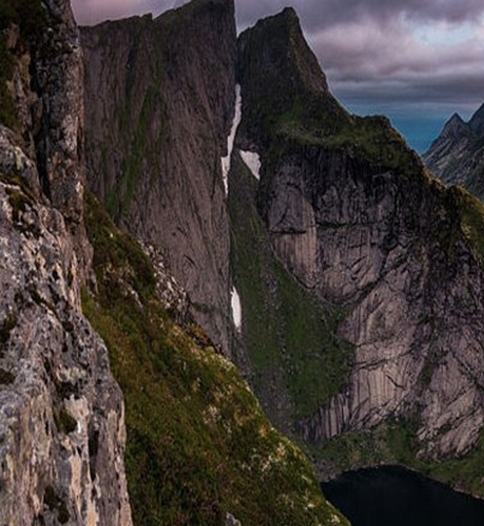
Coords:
456,118
285,51
477,121
454,127
452,155
289,13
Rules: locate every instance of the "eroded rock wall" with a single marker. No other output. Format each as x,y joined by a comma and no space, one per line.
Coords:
414,304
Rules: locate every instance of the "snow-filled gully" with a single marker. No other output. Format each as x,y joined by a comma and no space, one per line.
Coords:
251,159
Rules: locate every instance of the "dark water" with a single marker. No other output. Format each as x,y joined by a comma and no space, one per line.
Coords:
394,496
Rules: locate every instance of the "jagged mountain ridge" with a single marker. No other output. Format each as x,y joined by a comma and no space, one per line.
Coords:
457,154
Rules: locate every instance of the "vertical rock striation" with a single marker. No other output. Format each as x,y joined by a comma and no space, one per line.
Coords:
158,113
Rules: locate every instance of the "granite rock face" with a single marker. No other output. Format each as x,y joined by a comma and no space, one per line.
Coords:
353,215
457,154
158,113
61,412
46,87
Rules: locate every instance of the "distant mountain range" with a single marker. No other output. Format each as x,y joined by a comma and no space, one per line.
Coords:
457,155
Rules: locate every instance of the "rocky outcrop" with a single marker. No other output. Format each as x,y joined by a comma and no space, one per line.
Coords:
61,412
457,155
354,216
47,89
158,113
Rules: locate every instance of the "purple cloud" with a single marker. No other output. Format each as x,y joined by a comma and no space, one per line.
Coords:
320,14
374,52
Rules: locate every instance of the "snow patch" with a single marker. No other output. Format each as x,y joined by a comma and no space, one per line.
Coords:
231,137
236,309
252,160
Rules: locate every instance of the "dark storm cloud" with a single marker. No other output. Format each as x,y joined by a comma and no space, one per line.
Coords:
391,59
446,90
318,14
315,13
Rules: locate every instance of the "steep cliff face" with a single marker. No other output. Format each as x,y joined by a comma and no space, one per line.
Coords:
61,412
158,113
43,67
351,213
457,155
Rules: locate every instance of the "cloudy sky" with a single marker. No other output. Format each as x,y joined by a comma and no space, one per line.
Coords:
416,61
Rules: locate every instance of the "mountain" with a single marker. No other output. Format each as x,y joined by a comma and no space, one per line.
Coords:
115,406
457,155
362,322
358,274
182,205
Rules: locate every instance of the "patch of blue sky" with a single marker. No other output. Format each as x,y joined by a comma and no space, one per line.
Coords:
443,33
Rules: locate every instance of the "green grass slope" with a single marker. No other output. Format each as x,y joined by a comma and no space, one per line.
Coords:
198,444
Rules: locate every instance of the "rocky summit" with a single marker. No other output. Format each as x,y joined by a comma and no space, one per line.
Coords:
190,220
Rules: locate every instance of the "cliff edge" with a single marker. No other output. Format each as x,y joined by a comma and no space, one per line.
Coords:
61,412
